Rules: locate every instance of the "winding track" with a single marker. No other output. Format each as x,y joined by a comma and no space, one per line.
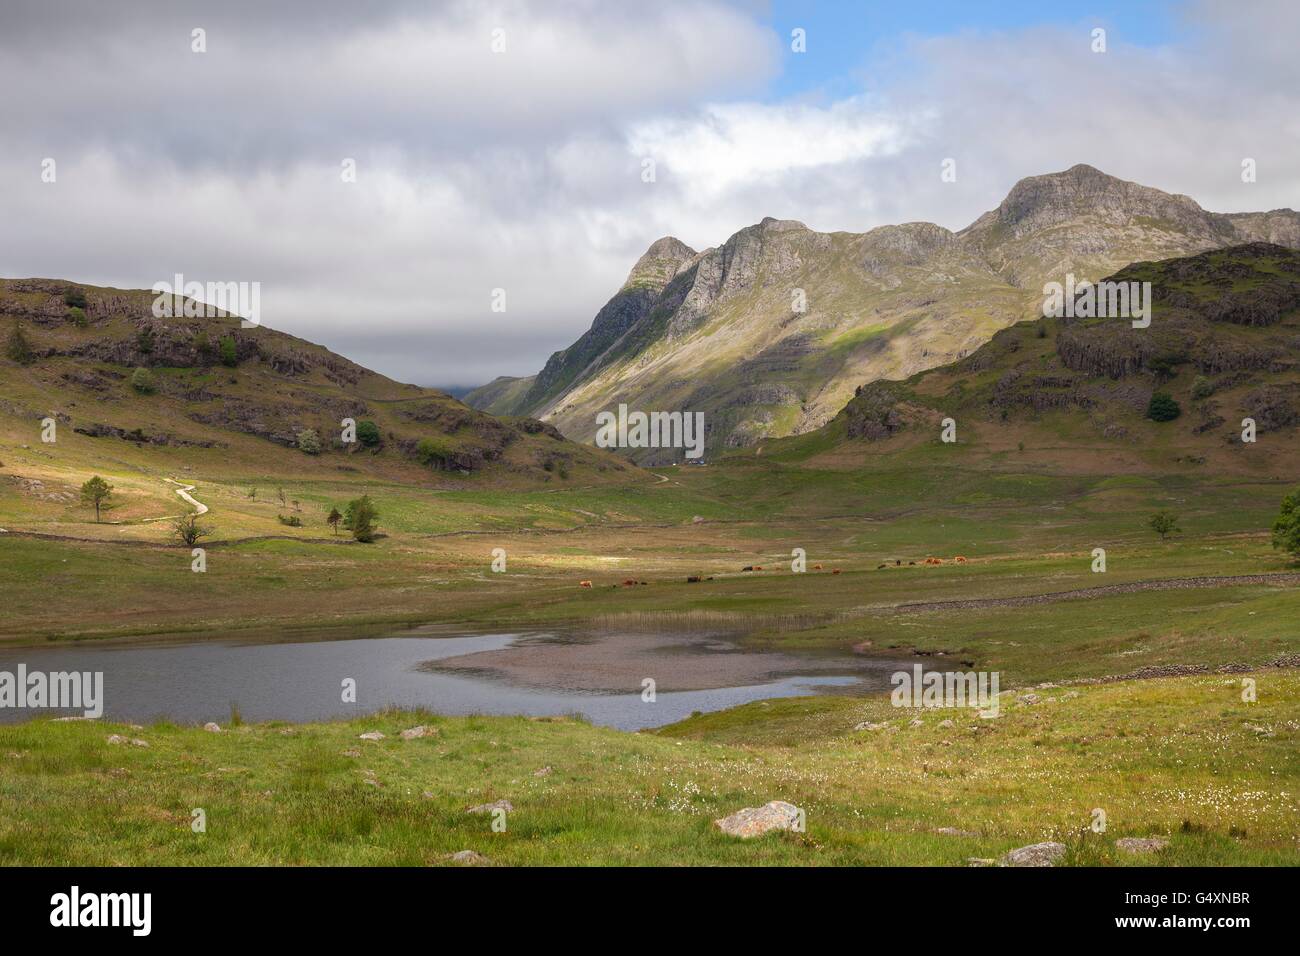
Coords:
184,492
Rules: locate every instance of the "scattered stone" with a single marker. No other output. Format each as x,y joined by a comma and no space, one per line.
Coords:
116,739
489,807
953,831
137,742
917,722
467,858
414,733
1028,699
1141,844
868,725
1036,854
372,735
946,724
212,727
1070,695
352,752
64,720
544,772
756,821
980,861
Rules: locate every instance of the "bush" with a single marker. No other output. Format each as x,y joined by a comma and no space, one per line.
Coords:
309,441
144,340
142,381
1202,387
361,517
228,351
433,452
77,316
203,345
1286,529
18,348
75,298
368,433
1163,408
293,521
187,530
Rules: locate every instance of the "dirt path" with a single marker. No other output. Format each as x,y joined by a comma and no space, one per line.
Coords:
1109,590
184,492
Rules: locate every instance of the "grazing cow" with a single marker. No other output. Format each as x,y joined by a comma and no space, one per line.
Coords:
629,583
959,559
584,584
835,570
748,567
911,564
758,567
879,566
817,567
693,579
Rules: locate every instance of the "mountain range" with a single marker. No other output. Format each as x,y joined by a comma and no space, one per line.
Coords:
771,333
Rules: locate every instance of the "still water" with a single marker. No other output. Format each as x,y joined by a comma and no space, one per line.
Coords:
302,681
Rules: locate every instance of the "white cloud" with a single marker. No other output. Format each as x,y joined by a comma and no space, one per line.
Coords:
522,170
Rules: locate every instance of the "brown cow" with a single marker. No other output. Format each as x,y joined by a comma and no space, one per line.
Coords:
959,559
817,567
584,584
835,570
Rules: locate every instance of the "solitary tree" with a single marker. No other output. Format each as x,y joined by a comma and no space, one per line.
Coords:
368,433
333,519
1286,529
362,518
187,530
95,492
1164,523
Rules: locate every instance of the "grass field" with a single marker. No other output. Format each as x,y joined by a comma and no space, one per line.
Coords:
1184,758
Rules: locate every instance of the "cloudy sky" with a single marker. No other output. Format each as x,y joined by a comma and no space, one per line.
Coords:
501,145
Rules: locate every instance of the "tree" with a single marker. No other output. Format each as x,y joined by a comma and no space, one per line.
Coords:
333,519
95,492
144,340
142,381
362,518
368,433
75,298
18,348
1164,523
77,316
1286,529
1163,408
202,345
229,352
187,530
309,441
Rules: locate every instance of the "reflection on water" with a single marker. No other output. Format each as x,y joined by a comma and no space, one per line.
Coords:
303,680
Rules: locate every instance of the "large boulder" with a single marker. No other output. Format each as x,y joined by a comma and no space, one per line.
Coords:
756,821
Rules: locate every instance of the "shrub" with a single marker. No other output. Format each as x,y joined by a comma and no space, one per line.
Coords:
368,433
18,348
1286,529
1202,387
1163,408
293,521
309,441
203,345
143,382
433,452
77,316
187,530
362,517
75,298
229,353
144,340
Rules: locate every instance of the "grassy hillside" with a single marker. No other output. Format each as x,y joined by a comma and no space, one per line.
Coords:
215,397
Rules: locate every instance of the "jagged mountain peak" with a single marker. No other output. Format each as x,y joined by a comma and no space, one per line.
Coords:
660,262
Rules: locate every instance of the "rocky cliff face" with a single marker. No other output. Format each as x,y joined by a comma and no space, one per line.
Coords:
770,333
